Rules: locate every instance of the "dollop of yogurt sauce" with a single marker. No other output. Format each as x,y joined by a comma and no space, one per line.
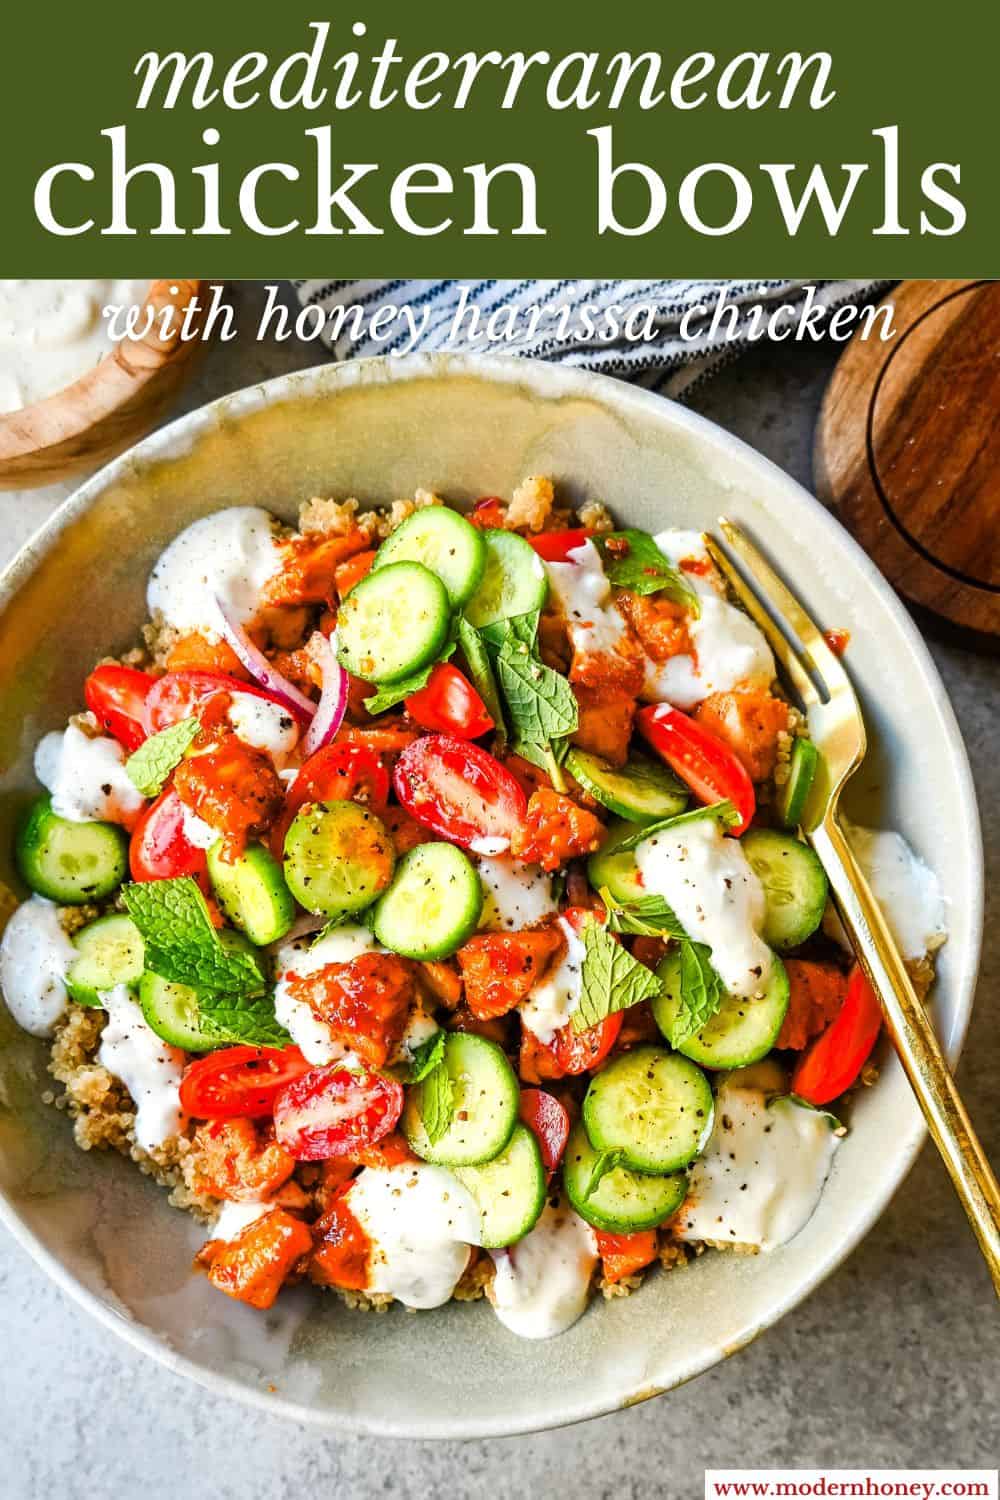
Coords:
707,880
515,895
235,1217
541,1284
35,957
87,778
149,1068
729,650
762,1172
553,1001
584,596
231,553
265,725
52,332
907,889
311,1035
420,1221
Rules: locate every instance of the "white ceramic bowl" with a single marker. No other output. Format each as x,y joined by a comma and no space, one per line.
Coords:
377,430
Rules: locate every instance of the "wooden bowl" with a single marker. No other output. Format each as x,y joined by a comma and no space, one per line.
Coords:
109,407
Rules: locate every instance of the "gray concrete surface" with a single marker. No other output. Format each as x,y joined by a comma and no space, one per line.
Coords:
893,1363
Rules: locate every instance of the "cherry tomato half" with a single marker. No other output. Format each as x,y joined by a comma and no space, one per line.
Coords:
333,1111
555,546
449,704
546,1118
625,1254
834,1060
458,790
337,773
570,1052
239,1081
159,848
180,695
708,766
116,696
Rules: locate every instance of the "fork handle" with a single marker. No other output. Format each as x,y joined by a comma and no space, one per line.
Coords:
915,1042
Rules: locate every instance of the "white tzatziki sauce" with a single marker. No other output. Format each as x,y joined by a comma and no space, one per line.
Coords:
86,778
52,332
420,1221
542,1283
762,1172
311,1035
515,895
584,596
231,554
265,725
235,1217
552,1001
149,1068
707,881
489,844
907,890
728,649
197,832
35,957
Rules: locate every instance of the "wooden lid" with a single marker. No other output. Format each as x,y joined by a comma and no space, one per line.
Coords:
907,449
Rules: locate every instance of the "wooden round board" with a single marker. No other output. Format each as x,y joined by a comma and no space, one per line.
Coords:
907,449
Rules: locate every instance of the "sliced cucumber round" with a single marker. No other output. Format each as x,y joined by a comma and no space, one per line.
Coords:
653,1106
514,581
71,863
791,799
393,622
623,1202
111,952
795,886
433,904
483,1112
741,1031
509,1190
252,893
173,1010
444,542
338,858
643,791
619,872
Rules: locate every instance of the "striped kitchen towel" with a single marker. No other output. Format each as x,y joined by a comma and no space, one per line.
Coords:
679,332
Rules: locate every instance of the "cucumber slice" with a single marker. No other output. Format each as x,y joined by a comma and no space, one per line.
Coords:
623,1202
509,1190
741,1031
643,791
484,1097
514,582
791,799
795,886
444,542
252,893
655,1107
173,1011
111,952
434,903
71,863
338,858
619,872
393,622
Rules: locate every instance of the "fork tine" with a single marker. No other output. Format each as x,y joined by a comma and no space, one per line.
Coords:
812,638
787,656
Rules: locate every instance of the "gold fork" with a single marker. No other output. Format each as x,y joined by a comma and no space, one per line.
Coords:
827,698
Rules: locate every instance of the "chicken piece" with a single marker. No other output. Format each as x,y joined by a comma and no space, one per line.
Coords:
555,831
749,722
442,981
500,969
406,833
348,573
605,726
255,1265
307,573
342,1249
815,995
239,1160
659,623
231,787
365,1002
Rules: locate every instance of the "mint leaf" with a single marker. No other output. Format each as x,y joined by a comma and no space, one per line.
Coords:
242,1018
633,561
540,702
395,692
477,659
426,1057
523,628
437,1101
542,756
610,979
700,992
723,812
649,916
148,767
181,943
606,1162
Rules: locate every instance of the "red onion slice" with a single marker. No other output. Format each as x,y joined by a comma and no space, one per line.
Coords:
261,670
332,704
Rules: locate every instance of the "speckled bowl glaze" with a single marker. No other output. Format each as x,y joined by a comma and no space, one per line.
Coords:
377,430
